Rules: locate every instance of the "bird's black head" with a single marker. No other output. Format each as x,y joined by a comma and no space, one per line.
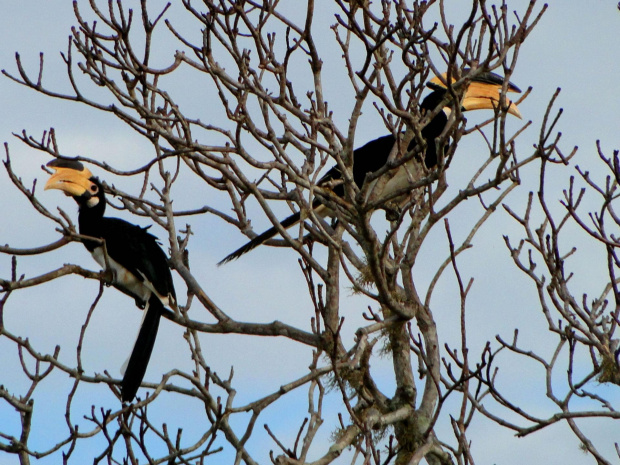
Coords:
75,180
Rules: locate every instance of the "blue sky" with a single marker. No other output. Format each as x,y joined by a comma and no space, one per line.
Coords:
575,47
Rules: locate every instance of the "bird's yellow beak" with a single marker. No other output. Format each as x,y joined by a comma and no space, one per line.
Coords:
71,177
483,93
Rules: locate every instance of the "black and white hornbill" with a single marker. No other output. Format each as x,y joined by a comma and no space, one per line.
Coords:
138,264
483,92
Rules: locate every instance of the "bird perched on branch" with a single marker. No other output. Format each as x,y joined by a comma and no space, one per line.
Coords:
482,92
138,264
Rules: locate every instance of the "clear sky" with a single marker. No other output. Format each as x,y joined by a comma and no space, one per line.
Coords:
575,47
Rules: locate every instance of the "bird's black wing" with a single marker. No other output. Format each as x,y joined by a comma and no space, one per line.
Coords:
138,251
369,158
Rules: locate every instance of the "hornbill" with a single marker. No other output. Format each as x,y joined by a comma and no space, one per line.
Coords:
482,92
138,264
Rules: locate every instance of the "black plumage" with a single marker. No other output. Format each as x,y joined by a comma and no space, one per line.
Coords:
483,92
138,264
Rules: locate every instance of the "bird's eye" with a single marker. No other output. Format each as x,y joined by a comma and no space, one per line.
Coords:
94,188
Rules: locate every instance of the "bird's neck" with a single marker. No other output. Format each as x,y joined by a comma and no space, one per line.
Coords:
89,222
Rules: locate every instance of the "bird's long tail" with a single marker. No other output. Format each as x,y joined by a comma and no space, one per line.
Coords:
261,238
135,366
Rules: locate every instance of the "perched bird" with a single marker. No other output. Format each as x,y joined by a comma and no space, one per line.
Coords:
483,92
138,264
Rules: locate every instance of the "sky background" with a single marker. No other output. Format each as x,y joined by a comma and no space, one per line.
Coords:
575,47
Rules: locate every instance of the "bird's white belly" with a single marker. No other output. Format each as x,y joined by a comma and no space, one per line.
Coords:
123,278
403,178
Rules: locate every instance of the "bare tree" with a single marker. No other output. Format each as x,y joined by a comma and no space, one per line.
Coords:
586,352
267,133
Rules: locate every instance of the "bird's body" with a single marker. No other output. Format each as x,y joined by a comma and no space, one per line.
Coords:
138,265
482,93
137,261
